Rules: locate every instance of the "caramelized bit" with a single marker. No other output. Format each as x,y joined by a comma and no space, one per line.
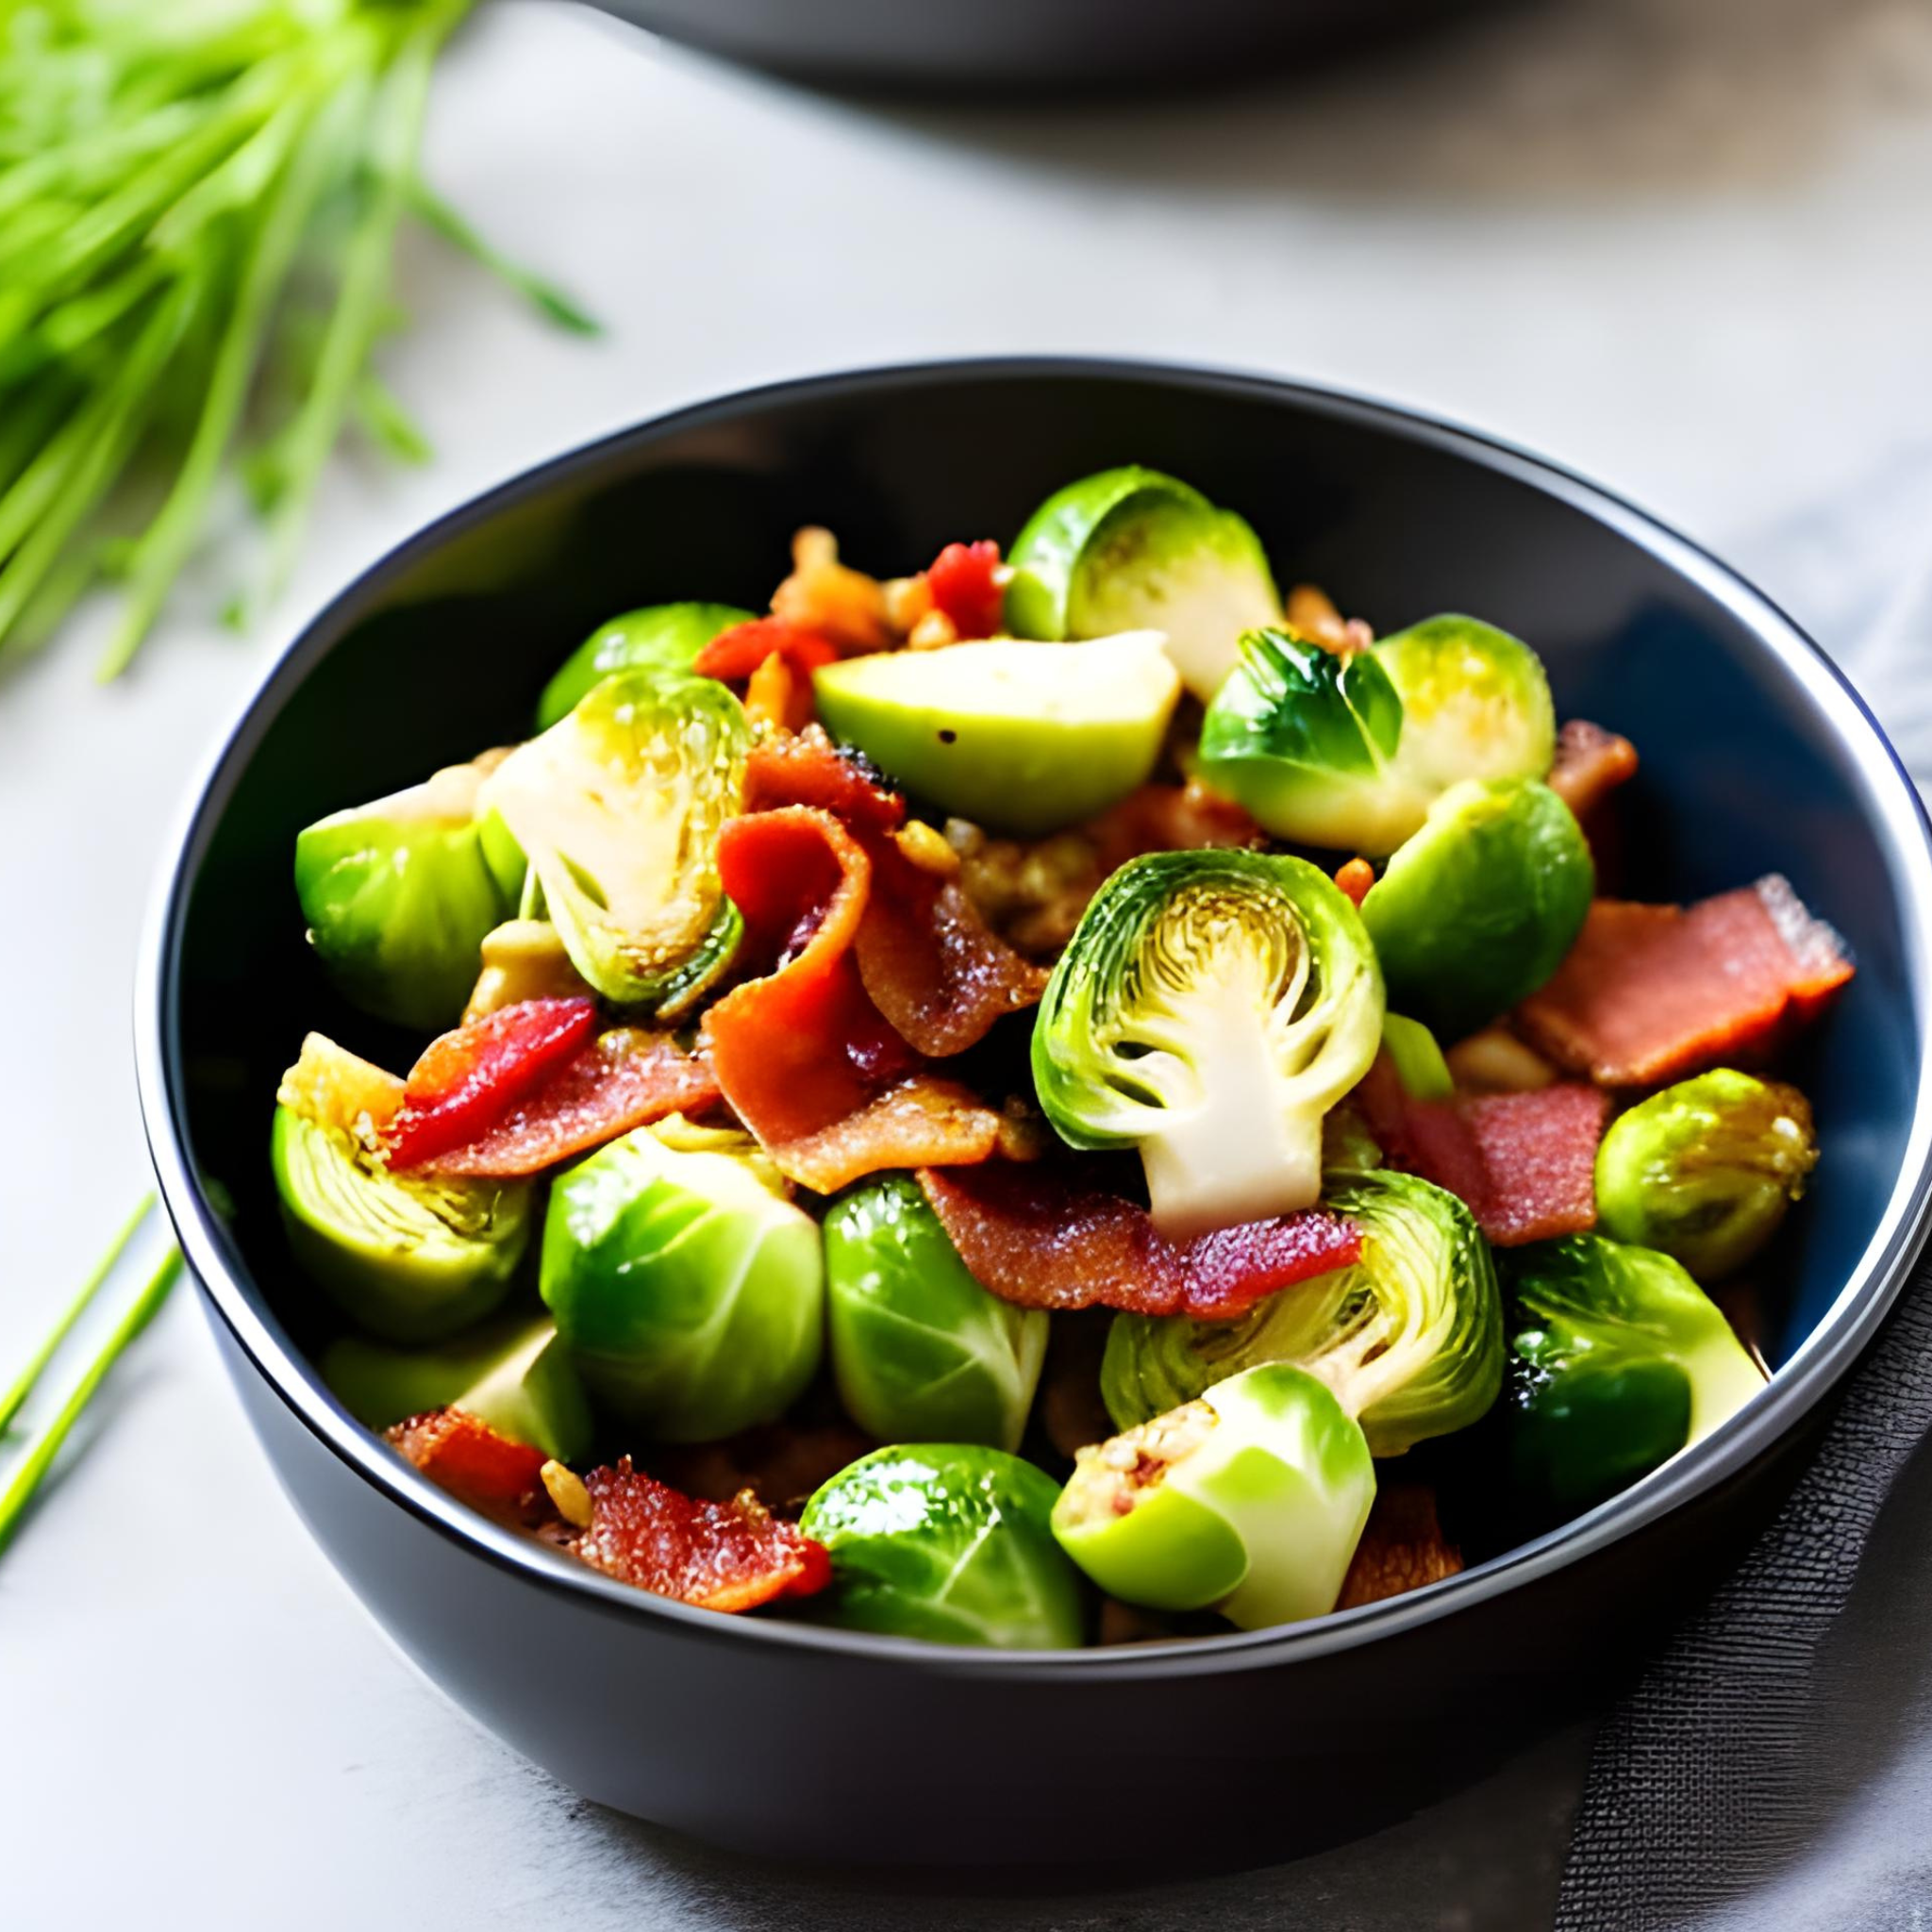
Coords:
825,595
1402,1549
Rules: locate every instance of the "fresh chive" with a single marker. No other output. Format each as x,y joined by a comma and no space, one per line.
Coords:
24,1387
19,1495
550,300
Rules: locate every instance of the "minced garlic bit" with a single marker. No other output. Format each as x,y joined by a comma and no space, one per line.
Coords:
521,960
567,1491
933,632
1496,1061
926,848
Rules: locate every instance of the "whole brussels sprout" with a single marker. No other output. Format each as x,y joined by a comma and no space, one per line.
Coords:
688,1289
1210,1008
952,1542
398,894
411,1257
1705,1170
617,808
1132,549
661,637
1477,910
515,1375
920,1351
1350,751
1410,1337
1619,1359
1251,1499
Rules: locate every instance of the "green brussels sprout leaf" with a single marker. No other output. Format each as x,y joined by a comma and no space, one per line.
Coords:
1251,1500
688,1289
1705,1170
1614,1347
1210,1008
618,808
920,1351
662,638
1349,751
1419,1062
398,894
952,1542
1477,910
1410,1337
514,1374
1132,549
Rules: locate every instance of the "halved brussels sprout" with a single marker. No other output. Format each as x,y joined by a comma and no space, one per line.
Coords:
1210,1008
617,808
661,638
1251,1500
1409,1337
1350,751
398,894
690,1290
1132,549
1619,1361
1705,1170
515,1375
411,1257
1021,738
920,1351
949,1541
1478,908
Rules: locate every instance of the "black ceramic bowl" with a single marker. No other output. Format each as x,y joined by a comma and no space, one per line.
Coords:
1004,48
764,1734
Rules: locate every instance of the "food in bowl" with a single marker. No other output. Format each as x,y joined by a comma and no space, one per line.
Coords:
1061,1098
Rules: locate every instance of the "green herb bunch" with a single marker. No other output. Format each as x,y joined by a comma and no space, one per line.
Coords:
199,200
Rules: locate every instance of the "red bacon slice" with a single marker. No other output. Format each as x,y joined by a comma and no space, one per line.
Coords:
965,583
469,1079
1036,1236
1523,1163
477,1465
803,1055
929,961
1649,994
729,1557
624,1078
807,768
738,652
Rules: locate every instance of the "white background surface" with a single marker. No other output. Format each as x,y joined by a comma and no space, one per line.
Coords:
1685,254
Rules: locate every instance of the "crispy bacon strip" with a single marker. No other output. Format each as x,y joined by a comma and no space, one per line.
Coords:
806,768
469,1079
930,963
1035,1236
1523,1163
804,1057
1649,994
730,1557
624,1078
1591,764
477,1465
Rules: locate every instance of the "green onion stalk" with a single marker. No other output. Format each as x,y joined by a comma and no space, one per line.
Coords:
199,203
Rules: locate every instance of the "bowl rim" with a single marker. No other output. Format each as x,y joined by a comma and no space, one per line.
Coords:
1891,803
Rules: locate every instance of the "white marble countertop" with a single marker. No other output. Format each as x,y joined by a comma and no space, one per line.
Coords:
1681,249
